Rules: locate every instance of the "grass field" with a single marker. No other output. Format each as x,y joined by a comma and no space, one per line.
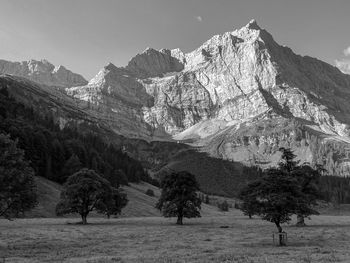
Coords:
156,239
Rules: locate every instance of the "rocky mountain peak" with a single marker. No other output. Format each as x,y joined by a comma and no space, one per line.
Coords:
154,63
110,66
253,25
38,65
42,72
59,68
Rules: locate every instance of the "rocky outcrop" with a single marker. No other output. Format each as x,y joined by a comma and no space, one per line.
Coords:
42,72
153,63
117,96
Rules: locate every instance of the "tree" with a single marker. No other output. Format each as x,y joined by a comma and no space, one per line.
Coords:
17,187
57,154
207,200
71,166
179,196
150,192
275,197
224,206
86,191
287,163
115,204
248,206
116,178
306,177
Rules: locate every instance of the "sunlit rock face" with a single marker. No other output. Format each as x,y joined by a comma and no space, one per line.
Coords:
42,72
153,63
233,78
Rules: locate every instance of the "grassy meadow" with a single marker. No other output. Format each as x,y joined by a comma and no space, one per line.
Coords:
216,237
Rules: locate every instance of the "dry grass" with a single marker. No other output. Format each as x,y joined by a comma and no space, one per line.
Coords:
155,239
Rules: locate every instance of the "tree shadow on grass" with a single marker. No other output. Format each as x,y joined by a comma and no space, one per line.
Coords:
327,226
158,222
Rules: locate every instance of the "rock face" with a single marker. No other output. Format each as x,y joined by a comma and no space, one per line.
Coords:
42,72
233,80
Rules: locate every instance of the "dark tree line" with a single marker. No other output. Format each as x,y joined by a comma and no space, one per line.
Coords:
335,189
56,154
17,185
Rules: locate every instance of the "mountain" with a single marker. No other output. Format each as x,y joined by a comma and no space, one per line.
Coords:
240,96
230,79
42,72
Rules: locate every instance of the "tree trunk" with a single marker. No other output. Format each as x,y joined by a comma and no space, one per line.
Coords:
281,241
83,218
179,220
300,221
250,216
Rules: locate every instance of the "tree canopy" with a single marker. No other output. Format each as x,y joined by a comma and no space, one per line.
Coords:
86,191
179,196
275,197
288,162
306,176
281,192
17,187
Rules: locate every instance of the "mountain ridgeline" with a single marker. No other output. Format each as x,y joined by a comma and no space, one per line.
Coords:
218,112
42,72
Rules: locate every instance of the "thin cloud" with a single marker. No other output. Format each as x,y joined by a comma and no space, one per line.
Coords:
343,65
199,18
347,51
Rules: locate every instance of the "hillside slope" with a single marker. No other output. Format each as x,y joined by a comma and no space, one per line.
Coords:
215,176
139,204
48,196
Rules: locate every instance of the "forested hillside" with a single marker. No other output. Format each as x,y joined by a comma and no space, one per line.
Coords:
55,154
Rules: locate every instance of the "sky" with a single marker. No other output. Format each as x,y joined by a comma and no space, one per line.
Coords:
85,35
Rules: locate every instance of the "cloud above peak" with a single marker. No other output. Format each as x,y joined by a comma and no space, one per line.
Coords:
344,63
199,18
347,51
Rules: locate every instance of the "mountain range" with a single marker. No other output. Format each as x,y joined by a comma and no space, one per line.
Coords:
239,97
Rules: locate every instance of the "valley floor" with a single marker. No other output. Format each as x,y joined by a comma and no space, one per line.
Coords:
156,239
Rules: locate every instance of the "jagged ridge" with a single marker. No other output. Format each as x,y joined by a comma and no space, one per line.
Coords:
42,72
